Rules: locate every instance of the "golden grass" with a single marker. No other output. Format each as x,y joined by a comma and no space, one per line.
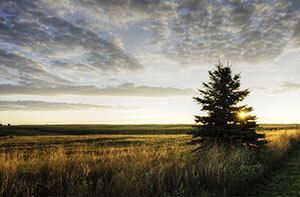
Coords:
122,165
281,141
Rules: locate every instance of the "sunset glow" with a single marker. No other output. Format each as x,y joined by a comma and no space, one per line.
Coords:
242,115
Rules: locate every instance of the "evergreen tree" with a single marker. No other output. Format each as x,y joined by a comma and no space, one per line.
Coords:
227,122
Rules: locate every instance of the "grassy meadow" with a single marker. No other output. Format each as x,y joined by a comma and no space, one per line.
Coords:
132,165
146,129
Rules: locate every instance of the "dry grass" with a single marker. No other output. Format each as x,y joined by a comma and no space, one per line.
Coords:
281,142
156,165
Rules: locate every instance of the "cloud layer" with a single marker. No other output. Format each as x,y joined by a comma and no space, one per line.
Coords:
243,31
64,47
287,87
50,106
197,31
127,89
34,41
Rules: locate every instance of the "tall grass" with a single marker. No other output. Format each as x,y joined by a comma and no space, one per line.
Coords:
280,142
144,170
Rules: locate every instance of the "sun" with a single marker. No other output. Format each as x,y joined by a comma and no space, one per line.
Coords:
242,115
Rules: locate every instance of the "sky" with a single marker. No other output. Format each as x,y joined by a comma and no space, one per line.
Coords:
142,61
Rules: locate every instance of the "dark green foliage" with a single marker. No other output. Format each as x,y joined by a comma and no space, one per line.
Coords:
227,122
283,179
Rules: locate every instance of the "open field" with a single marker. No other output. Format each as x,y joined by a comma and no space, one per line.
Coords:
93,129
38,130
131,165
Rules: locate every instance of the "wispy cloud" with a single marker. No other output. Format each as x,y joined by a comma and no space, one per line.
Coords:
26,71
29,105
287,86
127,89
30,30
283,87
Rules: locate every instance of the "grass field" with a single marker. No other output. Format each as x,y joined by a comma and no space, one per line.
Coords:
131,165
93,129
38,130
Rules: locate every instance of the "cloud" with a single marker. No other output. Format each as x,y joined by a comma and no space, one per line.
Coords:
195,31
287,87
240,31
56,43
36,33
118,42
296,36
126,89
283,87
27,71
50,106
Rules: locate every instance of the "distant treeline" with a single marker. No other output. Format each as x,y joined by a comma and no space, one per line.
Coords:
93,129
29,130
